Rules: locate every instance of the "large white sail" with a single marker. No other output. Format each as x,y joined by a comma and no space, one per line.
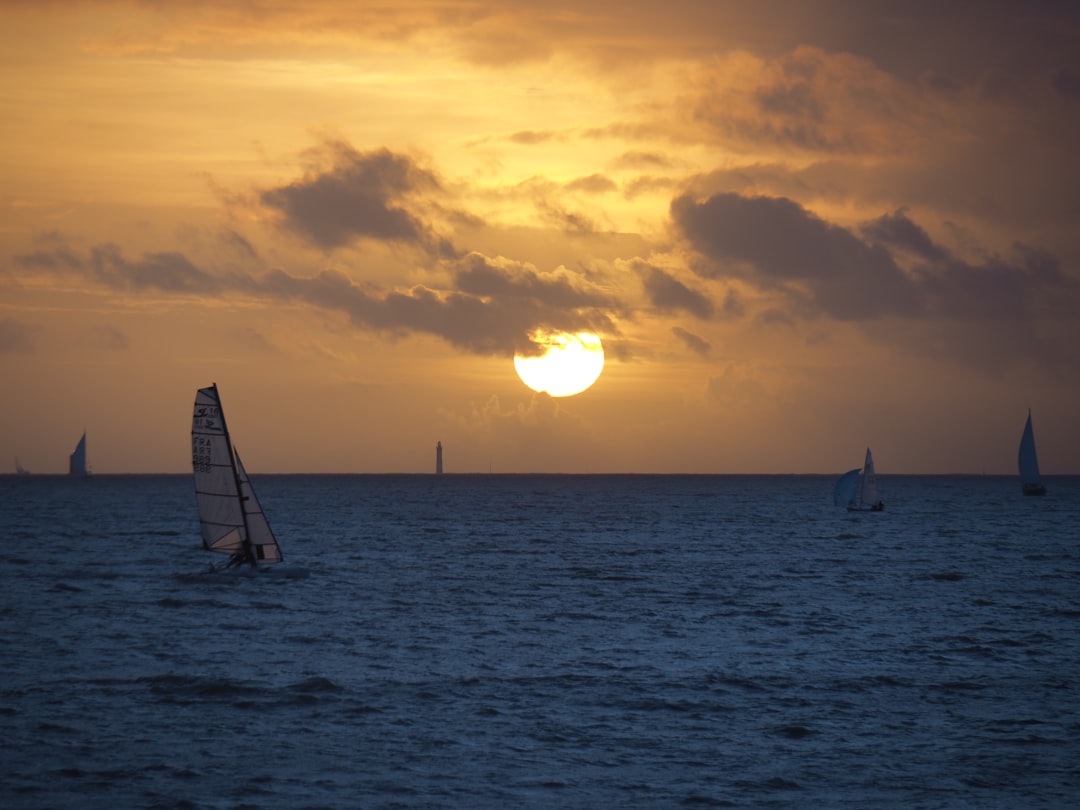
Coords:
230,518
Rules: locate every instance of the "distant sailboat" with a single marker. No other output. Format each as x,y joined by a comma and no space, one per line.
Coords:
1028,462
77,460
859,493
19,468
230,517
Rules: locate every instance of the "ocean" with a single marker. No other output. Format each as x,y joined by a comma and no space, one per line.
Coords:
543,641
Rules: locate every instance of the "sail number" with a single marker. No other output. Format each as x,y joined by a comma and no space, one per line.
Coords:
200,454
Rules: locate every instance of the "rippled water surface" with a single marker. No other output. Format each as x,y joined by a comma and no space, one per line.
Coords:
543,641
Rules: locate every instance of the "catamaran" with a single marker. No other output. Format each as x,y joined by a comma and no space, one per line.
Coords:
231,519
1028,462
859,492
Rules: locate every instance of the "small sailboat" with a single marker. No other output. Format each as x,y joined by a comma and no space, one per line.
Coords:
77,460
231,519
1028,462
857,489
19,468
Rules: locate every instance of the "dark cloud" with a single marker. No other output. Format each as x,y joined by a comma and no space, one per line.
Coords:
828,270
492,309
371,195
692,341
777,244
170,271
493,314
896,231
53,259
465,321
1015,305
668,294
995,289
15,337
511,281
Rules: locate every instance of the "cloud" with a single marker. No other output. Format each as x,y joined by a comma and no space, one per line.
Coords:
778,244
492,307
807,100
593,184
170,271
530,137
353,195
668,294
507,280
985,312
825,269
693,342
896,231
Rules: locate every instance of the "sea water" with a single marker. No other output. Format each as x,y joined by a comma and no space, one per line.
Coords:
543,641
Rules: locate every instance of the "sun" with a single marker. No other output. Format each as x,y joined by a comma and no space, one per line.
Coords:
571,362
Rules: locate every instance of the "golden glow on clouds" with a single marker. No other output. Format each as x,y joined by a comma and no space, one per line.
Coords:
759,215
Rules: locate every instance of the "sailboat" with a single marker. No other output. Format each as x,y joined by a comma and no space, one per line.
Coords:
1028,462
857,489
19,468
77,460
231,519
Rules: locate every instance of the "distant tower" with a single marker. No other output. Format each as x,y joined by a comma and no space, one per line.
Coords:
438,458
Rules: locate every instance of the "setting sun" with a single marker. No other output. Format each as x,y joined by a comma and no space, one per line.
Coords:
571,362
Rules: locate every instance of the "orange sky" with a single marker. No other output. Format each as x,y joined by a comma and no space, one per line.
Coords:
798,228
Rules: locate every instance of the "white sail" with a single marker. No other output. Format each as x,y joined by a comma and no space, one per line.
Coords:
1028,462
230,517
264,545
857,489
77,460
868,491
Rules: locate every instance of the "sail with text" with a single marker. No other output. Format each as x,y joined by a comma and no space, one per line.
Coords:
231,519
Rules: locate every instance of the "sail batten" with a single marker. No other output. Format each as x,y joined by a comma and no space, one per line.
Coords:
231,520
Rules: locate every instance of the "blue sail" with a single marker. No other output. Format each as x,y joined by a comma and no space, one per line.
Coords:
844,492
1028,462
77,460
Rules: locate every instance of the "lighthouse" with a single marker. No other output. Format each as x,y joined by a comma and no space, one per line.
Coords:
438,458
